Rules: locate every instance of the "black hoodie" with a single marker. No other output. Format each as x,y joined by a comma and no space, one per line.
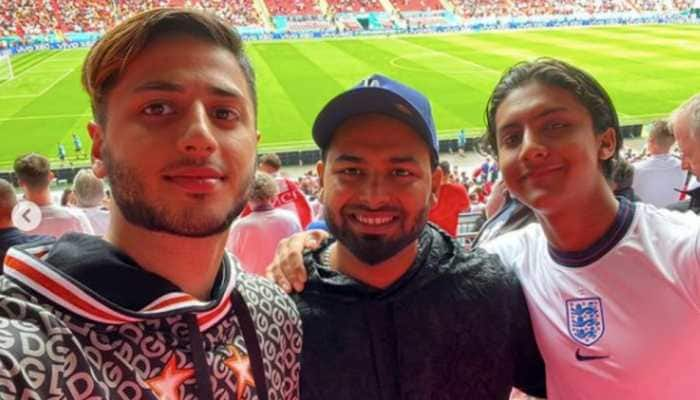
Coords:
454,326
80,319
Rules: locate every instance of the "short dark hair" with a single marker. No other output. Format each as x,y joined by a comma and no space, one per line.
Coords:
272,160
445,167
33,170
552,72
622,174
109,57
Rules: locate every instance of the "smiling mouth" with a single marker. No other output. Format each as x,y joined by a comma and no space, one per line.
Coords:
374,221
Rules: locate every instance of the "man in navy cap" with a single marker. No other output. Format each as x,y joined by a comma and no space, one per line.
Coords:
393,307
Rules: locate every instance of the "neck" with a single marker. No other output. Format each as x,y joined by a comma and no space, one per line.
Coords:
190,263
577,228
379,275
40,197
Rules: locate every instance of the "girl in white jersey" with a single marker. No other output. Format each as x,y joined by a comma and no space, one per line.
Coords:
613,287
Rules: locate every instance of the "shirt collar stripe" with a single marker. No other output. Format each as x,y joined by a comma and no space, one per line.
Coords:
62,293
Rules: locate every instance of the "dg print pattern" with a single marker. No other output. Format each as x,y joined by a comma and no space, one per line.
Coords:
50,351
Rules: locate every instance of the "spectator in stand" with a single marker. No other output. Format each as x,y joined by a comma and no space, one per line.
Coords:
9,234
89,193
253,238
34,175
452,200
657,178
67,198
289,195
685,124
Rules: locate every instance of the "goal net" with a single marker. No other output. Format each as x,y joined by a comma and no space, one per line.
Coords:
5,66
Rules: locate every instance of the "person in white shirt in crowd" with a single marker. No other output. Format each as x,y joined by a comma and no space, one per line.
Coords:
34,175
89,193
657,177
685,124
253,238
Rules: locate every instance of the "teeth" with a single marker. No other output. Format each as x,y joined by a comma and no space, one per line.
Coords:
374,221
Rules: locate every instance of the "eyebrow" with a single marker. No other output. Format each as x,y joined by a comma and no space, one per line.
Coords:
165,86
348,158
544,113
394,160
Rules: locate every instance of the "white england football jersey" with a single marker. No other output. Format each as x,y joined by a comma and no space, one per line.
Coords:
622,319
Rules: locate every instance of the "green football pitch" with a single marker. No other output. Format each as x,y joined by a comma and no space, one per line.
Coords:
648,71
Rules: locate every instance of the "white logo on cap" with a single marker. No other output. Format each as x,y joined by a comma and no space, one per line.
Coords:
370,82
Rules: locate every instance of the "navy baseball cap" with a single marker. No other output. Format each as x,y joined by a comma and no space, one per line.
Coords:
381,95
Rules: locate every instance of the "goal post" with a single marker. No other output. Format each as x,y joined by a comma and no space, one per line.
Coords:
6,72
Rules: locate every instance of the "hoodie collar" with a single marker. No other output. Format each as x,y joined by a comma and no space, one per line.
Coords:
90,277
435,249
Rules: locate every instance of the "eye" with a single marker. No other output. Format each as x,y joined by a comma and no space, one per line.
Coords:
401,172
227,114
351,171
555,125
509,140
156,109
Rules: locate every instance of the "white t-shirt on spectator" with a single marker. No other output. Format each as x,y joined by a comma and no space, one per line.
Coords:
99,219
57,220
253,239
656,178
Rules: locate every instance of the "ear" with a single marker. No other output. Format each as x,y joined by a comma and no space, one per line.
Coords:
607,142
320,167
97,136
435,186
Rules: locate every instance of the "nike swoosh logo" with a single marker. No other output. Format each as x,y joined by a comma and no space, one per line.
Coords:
581,357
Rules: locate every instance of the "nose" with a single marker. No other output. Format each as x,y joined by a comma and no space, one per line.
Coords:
374,192
533,148
198,139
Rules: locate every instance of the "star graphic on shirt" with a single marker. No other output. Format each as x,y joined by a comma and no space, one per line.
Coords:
240,366
166,385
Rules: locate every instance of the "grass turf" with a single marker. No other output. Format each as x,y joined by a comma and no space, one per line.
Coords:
648,71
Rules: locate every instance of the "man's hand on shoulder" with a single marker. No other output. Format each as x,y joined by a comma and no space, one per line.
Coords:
287,268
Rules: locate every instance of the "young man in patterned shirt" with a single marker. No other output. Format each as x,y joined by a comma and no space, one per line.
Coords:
156,310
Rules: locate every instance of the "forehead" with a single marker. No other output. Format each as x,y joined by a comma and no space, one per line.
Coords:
535,98
184,59
378,136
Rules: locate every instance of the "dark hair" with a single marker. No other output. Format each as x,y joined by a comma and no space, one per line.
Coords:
556,73
272,160
622,174
33,170
109,57
445,167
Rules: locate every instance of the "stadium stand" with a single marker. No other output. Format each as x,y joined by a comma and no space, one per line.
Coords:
417,5
355,6
25,21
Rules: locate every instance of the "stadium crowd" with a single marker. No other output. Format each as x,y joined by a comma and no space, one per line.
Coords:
25,18
163,281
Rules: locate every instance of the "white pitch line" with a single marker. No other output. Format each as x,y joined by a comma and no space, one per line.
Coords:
28,69
57,81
